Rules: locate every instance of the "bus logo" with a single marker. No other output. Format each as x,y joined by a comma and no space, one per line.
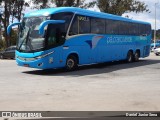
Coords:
6,114
93,43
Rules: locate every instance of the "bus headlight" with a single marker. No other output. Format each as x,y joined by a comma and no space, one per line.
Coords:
42,56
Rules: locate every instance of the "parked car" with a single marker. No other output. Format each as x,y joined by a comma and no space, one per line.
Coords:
157,51
157,44
152,49
8,53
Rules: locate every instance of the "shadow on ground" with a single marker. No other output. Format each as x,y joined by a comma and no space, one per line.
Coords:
93,69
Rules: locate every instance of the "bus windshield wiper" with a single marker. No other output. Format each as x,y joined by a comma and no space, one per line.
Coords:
24,39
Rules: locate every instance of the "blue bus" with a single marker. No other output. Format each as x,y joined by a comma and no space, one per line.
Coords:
69,37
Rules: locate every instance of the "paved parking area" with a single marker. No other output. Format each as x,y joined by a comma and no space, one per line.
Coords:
114,86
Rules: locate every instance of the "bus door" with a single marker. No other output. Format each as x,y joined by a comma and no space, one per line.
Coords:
55,39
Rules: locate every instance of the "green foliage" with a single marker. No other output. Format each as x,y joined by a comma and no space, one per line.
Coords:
17,6
2,44
118,7
158,35
40,4
12,9
14,37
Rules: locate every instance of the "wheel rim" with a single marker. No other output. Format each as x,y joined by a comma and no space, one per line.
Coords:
136,56
1,57
70,63
129,57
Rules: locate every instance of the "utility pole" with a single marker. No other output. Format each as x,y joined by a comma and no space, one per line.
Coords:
155,24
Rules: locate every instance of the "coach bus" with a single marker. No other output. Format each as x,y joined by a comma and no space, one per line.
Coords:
68,37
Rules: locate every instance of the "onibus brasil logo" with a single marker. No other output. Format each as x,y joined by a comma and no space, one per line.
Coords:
21,114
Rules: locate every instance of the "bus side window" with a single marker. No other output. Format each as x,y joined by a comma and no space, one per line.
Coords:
108,26
67,16
55,34
97,26
148,29
51,36
74,27
78,25
83,21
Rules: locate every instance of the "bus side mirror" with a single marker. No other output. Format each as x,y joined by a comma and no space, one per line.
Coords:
45,23
11,25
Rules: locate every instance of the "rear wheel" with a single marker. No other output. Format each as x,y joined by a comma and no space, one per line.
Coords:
71,63
130,57
136,56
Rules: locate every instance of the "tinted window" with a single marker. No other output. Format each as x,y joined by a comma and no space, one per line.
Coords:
136,27
13,48
122,29
109,27
126,28
142,29
97,26
148,29
112,27
80,25
8,49
56,32
63,16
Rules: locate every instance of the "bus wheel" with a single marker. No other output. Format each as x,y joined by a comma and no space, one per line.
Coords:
130,57
71,63
1,56
136,56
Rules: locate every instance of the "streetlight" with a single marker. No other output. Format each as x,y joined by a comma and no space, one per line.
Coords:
155,24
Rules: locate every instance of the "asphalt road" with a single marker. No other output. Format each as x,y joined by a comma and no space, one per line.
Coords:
114,86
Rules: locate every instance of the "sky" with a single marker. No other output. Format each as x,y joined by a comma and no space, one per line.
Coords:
145,16
148,17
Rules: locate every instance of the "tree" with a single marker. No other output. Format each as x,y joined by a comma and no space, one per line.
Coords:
40,4
12,9
17,7
14,37
118,7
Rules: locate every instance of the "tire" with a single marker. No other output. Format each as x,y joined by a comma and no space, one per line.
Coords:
157,54
71,63
129,57
1,56
136,56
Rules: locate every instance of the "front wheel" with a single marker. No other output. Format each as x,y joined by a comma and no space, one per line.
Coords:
1,56
130,57
71,63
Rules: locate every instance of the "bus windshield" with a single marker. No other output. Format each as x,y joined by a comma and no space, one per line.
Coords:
31,41
29,38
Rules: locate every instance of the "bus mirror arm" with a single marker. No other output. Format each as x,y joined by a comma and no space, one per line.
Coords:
45,23
11,25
